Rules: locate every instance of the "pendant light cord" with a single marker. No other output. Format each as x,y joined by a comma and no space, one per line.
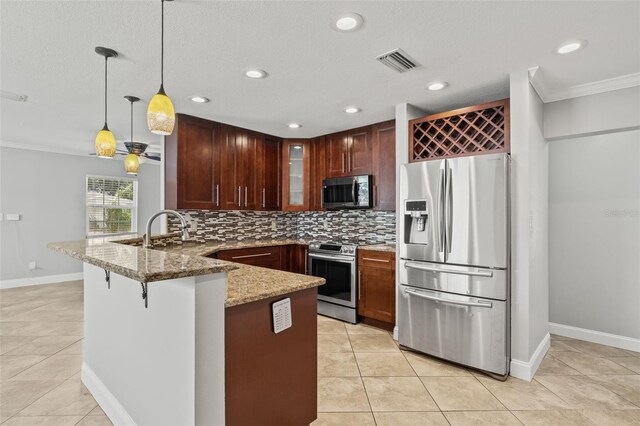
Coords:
105,92
162,45
131,121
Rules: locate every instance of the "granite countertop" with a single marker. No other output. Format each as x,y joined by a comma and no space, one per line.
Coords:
250,283
138,263
385,247
245,283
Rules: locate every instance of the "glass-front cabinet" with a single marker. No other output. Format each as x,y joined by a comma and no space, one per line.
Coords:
296,174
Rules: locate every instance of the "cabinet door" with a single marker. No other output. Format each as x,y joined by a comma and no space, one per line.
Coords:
230,184
359,152
270,167
337,147
249,176
318,171
295,174
298,258
384,166
377,294
198,168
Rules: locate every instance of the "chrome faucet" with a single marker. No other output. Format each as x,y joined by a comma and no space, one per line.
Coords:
185,226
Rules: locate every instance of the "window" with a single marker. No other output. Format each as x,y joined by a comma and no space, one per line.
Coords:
112,205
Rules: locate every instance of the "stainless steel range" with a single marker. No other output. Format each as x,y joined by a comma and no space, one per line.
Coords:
336,263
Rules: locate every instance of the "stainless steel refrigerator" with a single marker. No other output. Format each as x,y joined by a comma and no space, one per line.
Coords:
454,292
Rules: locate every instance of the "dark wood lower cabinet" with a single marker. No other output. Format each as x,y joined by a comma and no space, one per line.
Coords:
297,258
377,288
271,379
266,257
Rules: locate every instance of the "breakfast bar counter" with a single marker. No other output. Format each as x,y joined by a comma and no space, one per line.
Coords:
174,337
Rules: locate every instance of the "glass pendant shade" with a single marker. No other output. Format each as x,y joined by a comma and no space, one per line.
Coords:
105,143
131,164
161,116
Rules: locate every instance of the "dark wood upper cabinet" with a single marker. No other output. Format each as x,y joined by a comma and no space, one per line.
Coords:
250,197
359,152
336,147
296,174
270,173
193,164
384,165
231,166
349,153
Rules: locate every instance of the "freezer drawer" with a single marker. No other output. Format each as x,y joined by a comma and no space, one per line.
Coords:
464,280
461,329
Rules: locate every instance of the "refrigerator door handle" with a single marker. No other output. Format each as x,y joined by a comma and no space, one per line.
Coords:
449,207
441,202
354,185
423,295
429,268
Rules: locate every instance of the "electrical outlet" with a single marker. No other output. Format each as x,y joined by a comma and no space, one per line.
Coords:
32,265
13,216
193,225
274,225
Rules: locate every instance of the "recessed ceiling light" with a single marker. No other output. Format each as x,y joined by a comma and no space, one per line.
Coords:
571,46
352,110
294,125
348,22
255,73
437,85
199,99
297,147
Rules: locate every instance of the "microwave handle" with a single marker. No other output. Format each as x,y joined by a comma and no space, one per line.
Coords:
353,192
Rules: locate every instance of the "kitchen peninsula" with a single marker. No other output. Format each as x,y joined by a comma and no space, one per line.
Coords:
173,337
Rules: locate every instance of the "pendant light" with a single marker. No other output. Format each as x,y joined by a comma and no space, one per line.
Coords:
131,161
161,116
105,141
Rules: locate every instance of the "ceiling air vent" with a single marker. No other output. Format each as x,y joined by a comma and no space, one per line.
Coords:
397,60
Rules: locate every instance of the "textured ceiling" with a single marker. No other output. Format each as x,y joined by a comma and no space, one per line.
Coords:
314,71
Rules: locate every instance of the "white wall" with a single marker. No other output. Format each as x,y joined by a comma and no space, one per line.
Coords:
594,215
48,190
608,112
529,229
594,233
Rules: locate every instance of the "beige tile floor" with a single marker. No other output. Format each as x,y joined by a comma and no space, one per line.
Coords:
363,376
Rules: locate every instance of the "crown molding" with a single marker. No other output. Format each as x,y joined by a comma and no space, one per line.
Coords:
55,150
536,79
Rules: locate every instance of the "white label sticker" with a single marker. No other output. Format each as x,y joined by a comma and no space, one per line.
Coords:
281,315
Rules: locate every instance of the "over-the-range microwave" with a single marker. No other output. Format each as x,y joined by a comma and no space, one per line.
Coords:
354,192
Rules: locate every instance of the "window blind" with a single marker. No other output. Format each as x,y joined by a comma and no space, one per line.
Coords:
111,205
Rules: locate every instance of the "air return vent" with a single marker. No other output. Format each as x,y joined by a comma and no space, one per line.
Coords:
397,60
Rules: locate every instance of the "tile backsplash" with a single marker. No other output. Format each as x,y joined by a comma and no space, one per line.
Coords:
357,226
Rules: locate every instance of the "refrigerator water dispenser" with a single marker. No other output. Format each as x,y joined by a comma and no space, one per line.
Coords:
415,218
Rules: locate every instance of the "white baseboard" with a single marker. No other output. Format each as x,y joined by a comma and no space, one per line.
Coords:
617,341
109,404
47,279
525,370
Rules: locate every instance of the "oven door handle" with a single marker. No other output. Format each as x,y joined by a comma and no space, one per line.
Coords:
448,271
478,304
335,258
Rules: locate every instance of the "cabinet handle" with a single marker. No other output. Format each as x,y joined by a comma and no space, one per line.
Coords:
217,195
359,284
264,196
376,260
239,198
250,255
245,196
348,161
306,271
342,158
